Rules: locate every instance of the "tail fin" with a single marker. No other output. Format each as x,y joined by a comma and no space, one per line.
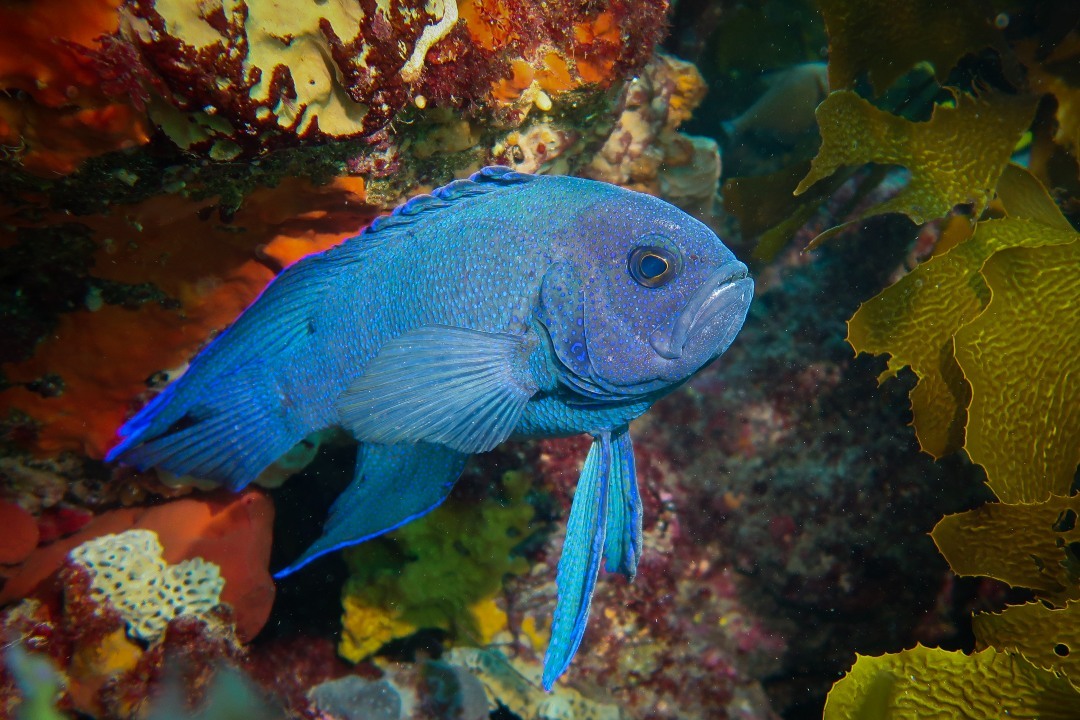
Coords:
227,432
228,417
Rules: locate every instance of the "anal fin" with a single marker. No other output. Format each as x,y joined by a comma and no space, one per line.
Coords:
622,535
393,485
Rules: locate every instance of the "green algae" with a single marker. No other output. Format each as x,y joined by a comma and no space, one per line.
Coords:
441,572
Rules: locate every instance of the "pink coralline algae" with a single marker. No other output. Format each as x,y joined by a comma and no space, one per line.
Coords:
677,642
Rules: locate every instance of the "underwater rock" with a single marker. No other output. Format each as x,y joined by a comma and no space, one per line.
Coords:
235,533
646,152
231,531
229,695
244,76
191,654
39,685
516,687
409,93
57,110
452,692
206,270
107,673
127,572
680,641
427,690
31,576
355,698
291,664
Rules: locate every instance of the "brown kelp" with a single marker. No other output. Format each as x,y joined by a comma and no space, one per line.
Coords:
989,323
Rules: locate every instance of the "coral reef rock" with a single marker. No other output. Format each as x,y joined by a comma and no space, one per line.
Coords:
516,687
355,698
644,150
241,75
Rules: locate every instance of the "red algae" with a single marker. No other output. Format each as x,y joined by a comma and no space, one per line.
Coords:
46,51
210,271
20,535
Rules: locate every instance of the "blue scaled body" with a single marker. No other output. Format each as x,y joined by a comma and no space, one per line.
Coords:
505,305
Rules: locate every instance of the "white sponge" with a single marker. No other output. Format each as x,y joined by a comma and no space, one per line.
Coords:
128,573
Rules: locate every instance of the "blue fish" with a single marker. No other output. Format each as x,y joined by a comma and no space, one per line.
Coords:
505,305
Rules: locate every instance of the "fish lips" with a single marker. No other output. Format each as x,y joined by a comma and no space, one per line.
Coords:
710,319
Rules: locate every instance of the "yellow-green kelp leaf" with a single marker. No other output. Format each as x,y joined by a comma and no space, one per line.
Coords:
1021,356
1047,638
955,157
885,38
930,683
1033,545
915,319
1023,196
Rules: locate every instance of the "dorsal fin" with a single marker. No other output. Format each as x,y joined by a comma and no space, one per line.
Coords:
488,179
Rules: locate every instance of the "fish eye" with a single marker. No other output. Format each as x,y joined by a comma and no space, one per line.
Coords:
651,266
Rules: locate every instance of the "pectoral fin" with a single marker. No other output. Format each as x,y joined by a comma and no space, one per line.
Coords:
457,387
394,484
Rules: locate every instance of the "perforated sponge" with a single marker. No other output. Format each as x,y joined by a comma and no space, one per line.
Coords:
128,573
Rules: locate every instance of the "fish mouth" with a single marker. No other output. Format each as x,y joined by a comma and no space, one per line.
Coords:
715,311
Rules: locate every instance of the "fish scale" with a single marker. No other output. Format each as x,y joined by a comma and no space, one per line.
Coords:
505,305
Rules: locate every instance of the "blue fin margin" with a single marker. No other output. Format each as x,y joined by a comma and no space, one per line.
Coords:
393,485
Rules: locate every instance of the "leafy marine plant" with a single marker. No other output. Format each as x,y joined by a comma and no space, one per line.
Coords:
989,324
992,328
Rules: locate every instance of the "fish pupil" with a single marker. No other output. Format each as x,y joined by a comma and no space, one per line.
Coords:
653,266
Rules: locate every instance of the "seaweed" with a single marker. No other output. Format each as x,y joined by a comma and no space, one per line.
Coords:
916,320
989,322
954,158
913,31
1021,356
1025,545
928,682
1045,637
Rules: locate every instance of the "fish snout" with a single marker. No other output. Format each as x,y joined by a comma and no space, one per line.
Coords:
711,318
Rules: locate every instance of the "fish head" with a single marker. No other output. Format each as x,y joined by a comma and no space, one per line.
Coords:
648,296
